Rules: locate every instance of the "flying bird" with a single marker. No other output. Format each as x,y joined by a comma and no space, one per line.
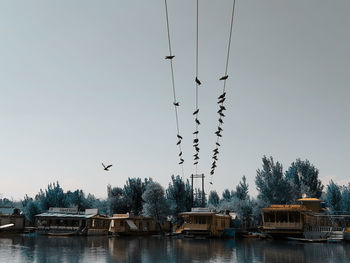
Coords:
198,81
179,136
222,95
169,57
177,104
224,77
106,167
197,121
195,112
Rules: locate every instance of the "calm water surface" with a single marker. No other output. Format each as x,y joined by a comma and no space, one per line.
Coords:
151,249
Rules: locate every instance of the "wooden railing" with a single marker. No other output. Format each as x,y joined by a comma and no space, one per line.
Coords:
285,225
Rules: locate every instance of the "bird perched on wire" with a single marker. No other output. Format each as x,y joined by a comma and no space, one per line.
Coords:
178,142
218,144
176,104
215,158
195,112
195,140
224,77
197,149
179,136
222,95
195,163
197,121
222,107
106,168
180,154
169,57
196,132
219,128
221,121
218,133
221,100
198,81
221,114
211,182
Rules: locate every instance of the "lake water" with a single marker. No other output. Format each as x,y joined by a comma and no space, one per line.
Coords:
152,249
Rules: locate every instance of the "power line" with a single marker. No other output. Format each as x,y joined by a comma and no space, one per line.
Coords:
222,98
176,104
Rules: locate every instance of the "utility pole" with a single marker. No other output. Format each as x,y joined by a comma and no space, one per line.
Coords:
203,194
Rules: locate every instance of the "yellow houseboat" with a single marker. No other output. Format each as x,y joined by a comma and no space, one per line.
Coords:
201,221
306,220
126,224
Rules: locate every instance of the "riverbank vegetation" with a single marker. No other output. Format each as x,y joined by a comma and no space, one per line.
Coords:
147,197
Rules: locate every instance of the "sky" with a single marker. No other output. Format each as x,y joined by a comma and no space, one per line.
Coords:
84,82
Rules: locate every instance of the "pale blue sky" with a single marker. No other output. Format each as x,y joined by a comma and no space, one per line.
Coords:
86,81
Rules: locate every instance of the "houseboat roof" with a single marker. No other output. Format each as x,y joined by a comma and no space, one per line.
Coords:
48,214
203,214
309,200
284,208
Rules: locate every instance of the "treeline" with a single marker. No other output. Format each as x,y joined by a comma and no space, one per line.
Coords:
147,197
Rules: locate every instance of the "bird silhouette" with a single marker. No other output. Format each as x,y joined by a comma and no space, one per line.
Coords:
218,144
222,107
195,112
221,100
179,136
196,158
106,168
197,121
181,162
218,134
211,172
220,111
196,132
219,128
221,121
196,140
221,114
176,104
224,77
195,145
222,95
169,57
195,163
215,158
211,182
197,149
198,81
180,154
178,142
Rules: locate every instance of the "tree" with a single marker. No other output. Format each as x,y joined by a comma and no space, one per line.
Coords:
214,199
179,195
117,201
197,199
242,189
333,196
155,205
30,210
345,198
78,199
273,187
52,197
303,177
133,190
226,195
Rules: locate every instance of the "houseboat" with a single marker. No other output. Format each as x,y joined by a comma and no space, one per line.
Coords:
305,220
203,222
126,224
68,221
11,220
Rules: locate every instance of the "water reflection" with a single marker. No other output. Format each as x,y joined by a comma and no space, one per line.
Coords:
152,249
